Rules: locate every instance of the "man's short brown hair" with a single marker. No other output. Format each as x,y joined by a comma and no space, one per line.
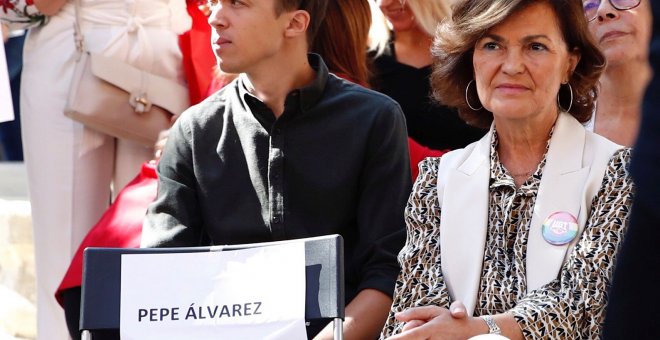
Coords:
315,8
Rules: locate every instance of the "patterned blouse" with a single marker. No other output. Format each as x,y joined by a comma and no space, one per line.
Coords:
569,307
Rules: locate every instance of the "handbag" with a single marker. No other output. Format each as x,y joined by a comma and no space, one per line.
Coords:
113,97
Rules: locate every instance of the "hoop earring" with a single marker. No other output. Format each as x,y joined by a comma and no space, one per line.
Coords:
467,100
570,105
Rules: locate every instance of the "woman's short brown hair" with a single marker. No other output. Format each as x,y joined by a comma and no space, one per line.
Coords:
454,46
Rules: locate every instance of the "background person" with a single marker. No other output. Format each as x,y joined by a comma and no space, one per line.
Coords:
402,71
347,58
71,168
10,132
634,296
623,32
548,200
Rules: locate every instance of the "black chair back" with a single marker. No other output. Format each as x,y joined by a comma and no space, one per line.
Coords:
101,283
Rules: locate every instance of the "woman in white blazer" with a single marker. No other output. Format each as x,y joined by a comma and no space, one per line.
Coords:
517,233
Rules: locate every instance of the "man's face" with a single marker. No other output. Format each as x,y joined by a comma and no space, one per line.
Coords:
246,34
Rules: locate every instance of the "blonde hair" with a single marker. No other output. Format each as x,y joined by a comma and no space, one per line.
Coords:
428,14
379,32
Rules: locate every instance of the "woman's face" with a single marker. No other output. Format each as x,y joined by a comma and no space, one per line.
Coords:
520,64
398,14
622,35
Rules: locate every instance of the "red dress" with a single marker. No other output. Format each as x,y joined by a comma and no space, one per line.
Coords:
417,154
198,59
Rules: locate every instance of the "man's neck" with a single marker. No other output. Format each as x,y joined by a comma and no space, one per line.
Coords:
272,83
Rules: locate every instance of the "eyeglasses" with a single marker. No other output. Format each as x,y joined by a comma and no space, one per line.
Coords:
591,6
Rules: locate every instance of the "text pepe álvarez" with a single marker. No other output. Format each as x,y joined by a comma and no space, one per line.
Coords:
199,312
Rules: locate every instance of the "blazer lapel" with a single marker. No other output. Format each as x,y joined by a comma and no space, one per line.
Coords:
464,222
561,189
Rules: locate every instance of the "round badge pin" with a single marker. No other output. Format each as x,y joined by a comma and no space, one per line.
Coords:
560,228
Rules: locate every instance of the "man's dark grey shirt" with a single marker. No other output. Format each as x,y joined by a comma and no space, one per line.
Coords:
335,162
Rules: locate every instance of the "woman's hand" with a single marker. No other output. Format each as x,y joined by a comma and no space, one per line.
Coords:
162,137
432,322
160,143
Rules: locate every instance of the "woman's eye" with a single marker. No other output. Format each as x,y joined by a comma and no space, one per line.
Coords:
537,47
590,5
490,45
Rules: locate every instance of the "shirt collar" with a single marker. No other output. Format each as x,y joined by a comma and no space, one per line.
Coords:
500,176
308,95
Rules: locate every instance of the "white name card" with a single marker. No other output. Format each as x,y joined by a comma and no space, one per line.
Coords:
6,106
256,293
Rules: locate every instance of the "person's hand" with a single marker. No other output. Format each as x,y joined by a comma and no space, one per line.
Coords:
432,322
174,118
162,138
160,143
458,310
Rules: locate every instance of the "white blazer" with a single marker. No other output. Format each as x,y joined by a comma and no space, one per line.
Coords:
575,165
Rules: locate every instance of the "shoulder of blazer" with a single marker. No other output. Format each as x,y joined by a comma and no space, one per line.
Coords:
455,158
597,154
598,148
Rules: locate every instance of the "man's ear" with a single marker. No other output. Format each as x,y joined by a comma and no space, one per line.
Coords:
297,24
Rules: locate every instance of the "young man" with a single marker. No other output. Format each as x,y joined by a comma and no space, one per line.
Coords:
288,151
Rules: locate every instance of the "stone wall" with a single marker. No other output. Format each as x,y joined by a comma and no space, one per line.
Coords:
17,273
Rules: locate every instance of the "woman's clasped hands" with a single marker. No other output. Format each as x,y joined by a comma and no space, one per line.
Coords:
433,322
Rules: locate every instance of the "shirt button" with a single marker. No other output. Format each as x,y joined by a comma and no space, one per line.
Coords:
276,219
